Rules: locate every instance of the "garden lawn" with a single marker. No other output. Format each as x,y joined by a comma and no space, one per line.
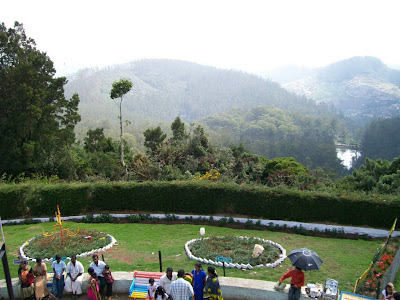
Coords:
138,246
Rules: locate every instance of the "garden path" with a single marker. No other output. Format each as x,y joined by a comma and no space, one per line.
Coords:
373,232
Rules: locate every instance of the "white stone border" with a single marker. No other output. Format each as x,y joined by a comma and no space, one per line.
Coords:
276,263
48,260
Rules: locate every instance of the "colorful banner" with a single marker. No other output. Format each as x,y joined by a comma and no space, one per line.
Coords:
376,256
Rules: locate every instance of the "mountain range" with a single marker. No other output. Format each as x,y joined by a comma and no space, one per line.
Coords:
363,88
164,89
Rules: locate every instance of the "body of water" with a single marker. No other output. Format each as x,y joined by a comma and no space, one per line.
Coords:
346,155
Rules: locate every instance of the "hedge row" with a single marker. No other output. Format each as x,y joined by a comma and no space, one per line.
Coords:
198,198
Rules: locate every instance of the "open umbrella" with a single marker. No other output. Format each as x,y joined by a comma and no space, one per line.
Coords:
305,259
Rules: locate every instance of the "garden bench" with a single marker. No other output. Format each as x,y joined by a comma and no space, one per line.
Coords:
138,289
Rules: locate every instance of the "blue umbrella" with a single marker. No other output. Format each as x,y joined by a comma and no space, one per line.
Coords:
305,259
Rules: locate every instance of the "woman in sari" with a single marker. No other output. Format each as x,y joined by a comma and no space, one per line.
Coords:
212,290
40,272
199,280
93,287
26,279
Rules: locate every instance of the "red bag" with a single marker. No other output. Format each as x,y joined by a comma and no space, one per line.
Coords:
30,278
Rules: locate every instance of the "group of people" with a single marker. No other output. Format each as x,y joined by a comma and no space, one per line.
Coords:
33,281
180,286
298,279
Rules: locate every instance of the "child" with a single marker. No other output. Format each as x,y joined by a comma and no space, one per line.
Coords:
109,280
160,294
151,289
93,287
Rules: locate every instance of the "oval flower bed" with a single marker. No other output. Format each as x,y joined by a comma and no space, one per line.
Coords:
83,244
239,249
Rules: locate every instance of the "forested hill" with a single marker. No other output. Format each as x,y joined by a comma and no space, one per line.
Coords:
362,87
164,89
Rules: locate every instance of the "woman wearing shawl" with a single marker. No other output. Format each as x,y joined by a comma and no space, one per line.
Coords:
40,272
212,289
26,279
93,287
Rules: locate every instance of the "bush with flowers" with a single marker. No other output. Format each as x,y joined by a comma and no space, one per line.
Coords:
212,175
238,248
378,270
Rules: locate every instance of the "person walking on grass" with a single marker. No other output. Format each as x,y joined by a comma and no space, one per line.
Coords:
57,287
296,282
180,288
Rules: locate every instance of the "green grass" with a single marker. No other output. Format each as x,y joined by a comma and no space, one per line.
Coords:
344,260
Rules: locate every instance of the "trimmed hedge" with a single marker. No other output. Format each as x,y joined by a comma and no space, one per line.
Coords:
12,200
72,199
200,198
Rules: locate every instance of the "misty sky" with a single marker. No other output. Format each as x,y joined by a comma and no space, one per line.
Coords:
252,36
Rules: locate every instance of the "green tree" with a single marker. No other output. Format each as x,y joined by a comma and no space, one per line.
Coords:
95,141
119,90
36,121
284,164
178,130
153,138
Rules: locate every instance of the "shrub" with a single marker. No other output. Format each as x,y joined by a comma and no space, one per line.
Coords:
200,198
72,199
12,200
222,222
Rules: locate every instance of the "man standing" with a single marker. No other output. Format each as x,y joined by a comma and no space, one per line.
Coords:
57,287
98,267
166,279
73,283
296,282
180,288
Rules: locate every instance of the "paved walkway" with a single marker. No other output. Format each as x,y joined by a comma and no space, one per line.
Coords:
376,233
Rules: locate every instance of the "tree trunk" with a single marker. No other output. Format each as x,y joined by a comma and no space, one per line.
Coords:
122,141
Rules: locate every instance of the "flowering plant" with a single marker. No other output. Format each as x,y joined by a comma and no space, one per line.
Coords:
212,175
377,271
239,249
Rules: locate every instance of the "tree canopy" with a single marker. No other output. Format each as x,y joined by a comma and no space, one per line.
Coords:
36,120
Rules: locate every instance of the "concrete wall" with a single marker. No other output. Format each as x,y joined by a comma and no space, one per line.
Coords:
232,288
121,285
246,289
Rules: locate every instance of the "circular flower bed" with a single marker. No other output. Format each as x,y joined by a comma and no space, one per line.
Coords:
83,244
239,249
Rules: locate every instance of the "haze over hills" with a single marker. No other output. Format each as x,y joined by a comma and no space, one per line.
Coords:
363,88
164,89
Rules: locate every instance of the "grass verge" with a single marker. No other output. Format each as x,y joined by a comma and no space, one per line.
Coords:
138,246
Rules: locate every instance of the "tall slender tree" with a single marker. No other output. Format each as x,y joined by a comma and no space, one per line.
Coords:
119,90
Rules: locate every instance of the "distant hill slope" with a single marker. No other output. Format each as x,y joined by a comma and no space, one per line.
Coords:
164,89
362,87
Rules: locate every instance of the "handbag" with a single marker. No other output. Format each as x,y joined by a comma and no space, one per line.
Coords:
30,278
